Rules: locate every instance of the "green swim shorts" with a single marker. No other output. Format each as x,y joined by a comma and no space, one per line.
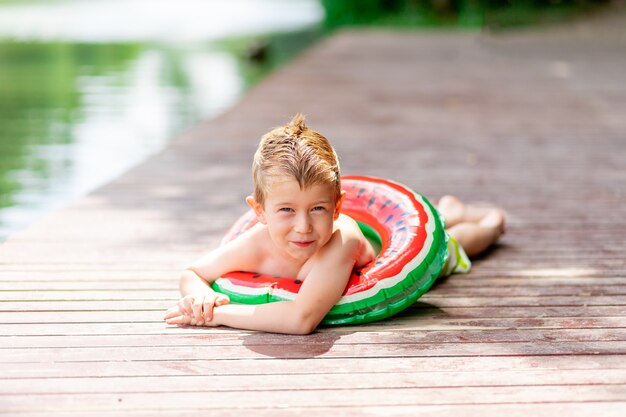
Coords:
457,262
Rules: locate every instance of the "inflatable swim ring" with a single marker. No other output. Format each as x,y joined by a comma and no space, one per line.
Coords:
413,248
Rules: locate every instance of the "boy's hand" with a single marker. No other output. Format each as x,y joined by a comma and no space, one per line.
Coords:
196,309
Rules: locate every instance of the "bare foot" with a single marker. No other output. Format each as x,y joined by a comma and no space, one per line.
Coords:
494,220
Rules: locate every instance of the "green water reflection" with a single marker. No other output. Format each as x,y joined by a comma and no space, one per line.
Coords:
75,115
40,99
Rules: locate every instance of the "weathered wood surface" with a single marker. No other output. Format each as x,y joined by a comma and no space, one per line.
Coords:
530,120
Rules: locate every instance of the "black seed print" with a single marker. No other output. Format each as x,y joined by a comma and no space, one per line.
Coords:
371,202
388,218
386,203
361,191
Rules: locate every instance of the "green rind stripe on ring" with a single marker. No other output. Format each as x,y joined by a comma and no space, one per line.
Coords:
234,292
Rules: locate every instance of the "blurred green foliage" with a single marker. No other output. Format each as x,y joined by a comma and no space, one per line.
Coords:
459,13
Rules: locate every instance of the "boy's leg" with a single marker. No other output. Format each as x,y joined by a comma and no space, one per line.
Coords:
476,237
475,228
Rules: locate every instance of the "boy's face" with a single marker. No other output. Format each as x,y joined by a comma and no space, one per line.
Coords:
300,221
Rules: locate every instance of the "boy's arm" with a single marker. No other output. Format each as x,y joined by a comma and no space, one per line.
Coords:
321,290
198,298
229,257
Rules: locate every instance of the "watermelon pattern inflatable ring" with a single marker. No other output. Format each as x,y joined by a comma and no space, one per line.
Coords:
413,249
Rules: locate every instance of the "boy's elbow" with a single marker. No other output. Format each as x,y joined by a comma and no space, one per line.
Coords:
304,323
303,328
186,278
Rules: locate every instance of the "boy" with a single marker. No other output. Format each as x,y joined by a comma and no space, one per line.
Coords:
301,233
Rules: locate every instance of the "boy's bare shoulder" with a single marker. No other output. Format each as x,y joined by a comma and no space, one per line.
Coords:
245,251
252,241
348,227
351,241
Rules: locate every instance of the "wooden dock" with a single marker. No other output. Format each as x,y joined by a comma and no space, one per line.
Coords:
531,120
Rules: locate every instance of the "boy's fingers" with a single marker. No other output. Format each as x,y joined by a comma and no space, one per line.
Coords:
209,303
172,312
221,300
189,299
183,305
197,308
179,320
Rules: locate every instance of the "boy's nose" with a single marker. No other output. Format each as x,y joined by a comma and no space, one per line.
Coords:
303,224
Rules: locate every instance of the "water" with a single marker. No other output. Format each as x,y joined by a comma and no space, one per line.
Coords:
90,88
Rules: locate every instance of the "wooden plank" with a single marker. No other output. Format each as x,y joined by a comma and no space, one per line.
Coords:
312,398
92,305
609,409
250,351
189,337
470,301
317,365
166,294
100,285
290,382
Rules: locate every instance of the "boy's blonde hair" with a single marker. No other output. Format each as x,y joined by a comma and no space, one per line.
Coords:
295,150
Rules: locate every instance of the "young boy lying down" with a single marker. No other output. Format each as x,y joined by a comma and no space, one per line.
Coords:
301,233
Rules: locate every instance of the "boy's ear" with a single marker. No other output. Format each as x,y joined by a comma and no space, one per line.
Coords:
338,204
258,209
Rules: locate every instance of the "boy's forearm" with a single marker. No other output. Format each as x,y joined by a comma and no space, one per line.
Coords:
191,283
277,317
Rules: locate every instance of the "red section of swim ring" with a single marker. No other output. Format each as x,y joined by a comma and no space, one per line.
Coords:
389,264
252,280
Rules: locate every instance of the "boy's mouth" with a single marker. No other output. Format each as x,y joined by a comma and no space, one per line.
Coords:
302,243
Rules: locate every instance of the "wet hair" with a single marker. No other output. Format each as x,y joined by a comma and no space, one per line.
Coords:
297,151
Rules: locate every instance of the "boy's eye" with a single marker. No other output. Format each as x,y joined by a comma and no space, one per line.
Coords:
286,209
319,208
